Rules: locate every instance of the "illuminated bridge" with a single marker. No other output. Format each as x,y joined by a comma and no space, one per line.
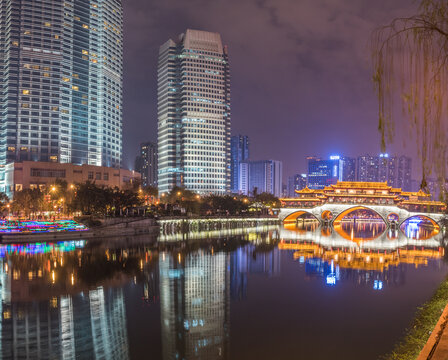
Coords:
333,203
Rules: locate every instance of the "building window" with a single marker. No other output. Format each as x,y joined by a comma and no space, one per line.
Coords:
53,173
90,175
106,176
98,176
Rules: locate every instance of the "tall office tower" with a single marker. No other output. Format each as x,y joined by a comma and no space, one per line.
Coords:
261,176
61,81
295,182
194,114
239,151
368,168
322,172
146,163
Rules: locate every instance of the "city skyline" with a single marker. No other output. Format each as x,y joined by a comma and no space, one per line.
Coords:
282,107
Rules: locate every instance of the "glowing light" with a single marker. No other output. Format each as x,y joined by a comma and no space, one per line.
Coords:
377,285
335,157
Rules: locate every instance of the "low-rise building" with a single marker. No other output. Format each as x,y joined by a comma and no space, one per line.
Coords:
36,174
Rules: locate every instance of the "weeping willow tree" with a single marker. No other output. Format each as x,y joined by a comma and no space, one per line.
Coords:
410,58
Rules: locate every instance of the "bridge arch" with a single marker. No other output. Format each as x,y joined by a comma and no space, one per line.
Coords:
421,216
293,216
345,212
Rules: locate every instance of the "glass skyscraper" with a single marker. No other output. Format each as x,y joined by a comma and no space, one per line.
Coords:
194,114
146,163
61,81
239,151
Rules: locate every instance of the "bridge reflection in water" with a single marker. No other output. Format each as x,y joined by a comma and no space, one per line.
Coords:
368,252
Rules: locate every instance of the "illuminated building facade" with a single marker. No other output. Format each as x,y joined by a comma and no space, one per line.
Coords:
61,81
194,305
395,170
295,182
261,176
40,175
322,172
146,164
239,150
194,114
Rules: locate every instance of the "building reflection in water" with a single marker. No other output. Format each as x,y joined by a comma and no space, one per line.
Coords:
250,260
365,253
40,323
194,304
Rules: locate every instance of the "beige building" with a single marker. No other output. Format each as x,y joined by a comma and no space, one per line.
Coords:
35,174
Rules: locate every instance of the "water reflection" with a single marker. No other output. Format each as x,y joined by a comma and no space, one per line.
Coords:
364,252
71,300
194,305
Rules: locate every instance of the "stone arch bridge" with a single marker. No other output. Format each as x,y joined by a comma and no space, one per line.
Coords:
332,213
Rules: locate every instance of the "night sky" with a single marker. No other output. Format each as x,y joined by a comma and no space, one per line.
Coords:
300,72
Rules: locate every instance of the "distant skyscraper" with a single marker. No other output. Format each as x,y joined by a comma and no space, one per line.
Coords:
368,168
295,182
239,150
261,176
146,163
322,172
404,173
347,169
61,81
394,170
194,114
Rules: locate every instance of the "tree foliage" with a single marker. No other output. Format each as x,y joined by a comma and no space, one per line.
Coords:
28,201
410,65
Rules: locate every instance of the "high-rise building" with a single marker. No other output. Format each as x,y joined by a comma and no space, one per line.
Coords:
404,173
322,172
194,114
347,169
261,176
367,168
295,182
61,81
146,163
239,150
395,170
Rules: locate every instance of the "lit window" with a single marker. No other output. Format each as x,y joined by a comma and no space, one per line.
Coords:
74,87
47,24
25,92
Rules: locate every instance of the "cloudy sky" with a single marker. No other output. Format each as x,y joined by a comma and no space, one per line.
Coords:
300,71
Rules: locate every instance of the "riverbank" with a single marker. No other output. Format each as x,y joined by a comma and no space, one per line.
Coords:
427,336
143,226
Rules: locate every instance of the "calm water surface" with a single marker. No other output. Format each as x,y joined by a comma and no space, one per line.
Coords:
266,293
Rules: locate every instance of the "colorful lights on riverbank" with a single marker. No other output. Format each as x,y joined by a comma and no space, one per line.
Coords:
31,226
40,248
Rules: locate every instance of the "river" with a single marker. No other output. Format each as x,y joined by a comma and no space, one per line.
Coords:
268,292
